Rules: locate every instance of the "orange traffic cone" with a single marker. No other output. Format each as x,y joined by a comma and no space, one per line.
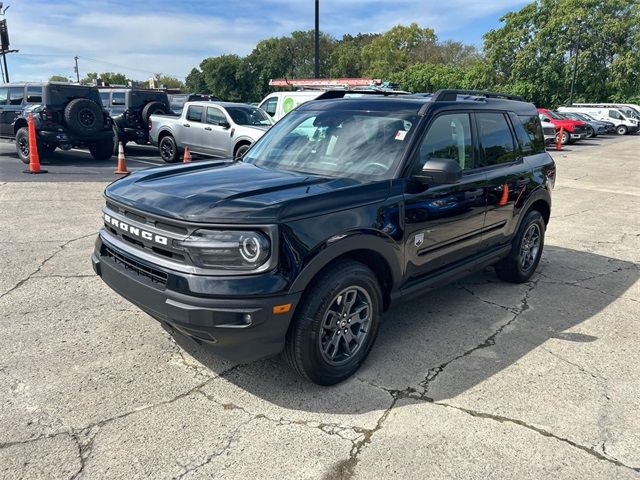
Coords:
122,164
505,195
559,139
187,155
34,157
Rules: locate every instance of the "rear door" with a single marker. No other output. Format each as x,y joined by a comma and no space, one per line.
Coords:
6,130
217,133
13,107
192,129
443,223
508,176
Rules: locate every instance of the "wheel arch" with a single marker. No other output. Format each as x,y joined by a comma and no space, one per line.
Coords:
19,123
240,142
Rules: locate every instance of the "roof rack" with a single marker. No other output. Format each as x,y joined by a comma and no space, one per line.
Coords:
451,95
331,94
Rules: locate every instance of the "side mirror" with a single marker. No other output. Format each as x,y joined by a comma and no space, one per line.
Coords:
440,171
224,124
546,120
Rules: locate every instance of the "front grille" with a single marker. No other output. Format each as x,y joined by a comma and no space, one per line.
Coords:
129,264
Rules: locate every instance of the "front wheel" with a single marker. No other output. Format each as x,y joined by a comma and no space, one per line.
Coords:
241,150
336,323
526,250
621,130
566,137
591,132
102,150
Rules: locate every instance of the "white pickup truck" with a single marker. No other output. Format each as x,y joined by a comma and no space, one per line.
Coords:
220,129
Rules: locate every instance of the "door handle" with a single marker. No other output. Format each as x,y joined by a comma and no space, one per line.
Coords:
207,128
186,125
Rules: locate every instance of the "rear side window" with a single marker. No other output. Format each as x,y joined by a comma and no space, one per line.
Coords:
63,94
270,105
4,95
449,136
194,113
529,133
16,95
104,96
496,140
34,94
118,98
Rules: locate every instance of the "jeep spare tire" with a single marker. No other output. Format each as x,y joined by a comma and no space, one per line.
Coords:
153,108
84,116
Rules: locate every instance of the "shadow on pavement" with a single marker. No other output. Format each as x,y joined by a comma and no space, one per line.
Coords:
424,334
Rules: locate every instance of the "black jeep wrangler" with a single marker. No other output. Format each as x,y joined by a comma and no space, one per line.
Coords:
130,109
344,207
65,115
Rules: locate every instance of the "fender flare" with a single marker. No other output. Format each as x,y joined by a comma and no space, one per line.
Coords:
540,193
329,251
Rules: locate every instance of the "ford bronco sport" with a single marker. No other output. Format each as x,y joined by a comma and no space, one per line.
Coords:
344,207
65,116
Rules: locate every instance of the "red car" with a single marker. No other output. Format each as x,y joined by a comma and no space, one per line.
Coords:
572,129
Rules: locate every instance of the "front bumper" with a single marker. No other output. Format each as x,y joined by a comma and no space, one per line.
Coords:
239,328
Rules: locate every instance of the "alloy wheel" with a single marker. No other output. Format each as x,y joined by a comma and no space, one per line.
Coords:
529,247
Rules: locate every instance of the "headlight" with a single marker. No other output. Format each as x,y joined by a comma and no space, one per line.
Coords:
227,249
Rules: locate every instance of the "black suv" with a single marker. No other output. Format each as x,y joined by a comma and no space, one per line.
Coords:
130,109
343,207
65,115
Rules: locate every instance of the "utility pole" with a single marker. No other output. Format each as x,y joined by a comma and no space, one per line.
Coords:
76,68
317,38
575,70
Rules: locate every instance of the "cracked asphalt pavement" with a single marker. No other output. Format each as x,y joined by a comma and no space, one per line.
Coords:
478,379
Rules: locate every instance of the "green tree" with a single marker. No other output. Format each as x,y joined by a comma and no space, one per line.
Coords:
429,77
397,49
58,78
533,52
195,82
112,78
227,76
346,58
167,81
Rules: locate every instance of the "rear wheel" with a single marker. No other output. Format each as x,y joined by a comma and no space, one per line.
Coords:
526,250
153,108
169,149
84,116
335,324
102,150
621,130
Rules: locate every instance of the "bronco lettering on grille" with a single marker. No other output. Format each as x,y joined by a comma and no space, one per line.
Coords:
135,231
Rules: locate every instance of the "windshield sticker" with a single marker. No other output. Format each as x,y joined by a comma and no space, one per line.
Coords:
400,134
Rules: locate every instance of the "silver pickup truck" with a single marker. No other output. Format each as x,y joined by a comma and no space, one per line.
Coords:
221,129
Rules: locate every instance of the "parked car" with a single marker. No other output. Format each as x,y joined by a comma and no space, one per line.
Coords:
572,130
65,116
303,244
278,104
595,127
130,109
177,100
222,129
609,127
549,132
624,124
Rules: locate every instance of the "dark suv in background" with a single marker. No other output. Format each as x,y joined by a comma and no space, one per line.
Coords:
130,109
65,116
342,208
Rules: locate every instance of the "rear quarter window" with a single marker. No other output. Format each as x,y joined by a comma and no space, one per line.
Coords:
529,133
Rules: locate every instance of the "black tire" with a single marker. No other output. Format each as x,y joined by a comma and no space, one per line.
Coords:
241,150
168,148
152,108
22,144
522,261
313,339
590,132
102,150
84,117
566,138
621,130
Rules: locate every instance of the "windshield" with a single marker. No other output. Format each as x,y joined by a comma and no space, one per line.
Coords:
252,116
335,143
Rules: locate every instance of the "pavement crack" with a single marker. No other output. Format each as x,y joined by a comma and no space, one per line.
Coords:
488,302
60,248
499,418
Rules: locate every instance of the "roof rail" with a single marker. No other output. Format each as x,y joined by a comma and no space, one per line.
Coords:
451,95
331,94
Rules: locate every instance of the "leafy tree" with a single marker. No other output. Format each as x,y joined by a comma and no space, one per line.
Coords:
399,48
58,78
167,81
346,59
227,76
195,83
429,77
111,78
533,52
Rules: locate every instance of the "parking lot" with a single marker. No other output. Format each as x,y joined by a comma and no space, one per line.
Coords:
478,379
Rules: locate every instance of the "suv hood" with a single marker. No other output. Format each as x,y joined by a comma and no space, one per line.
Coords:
227,192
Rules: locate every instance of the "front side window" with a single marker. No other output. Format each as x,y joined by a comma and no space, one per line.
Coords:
194,113
4,95
118,98
16,95
449,136
270,105
496,140
615,114
251,116
341,143
215,116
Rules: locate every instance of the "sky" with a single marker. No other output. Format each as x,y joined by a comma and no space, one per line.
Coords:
140,37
